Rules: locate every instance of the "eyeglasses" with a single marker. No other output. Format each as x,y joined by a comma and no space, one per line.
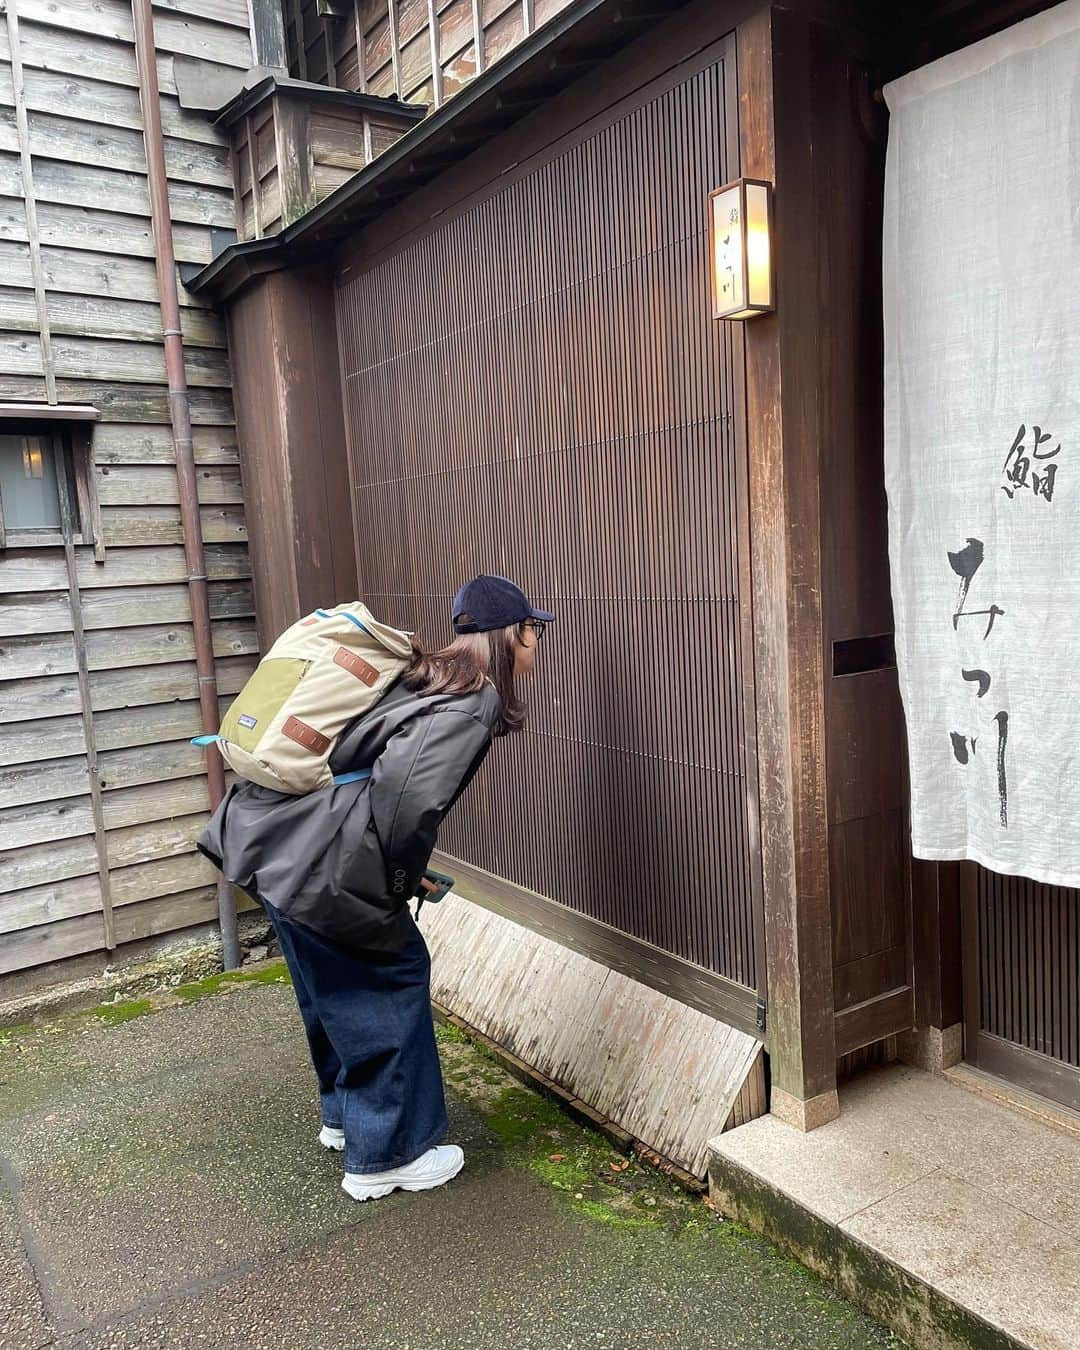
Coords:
539,627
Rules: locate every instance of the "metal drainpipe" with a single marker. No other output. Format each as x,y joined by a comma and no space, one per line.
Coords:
180,416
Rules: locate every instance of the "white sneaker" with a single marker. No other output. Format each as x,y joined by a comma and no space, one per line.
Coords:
331,1137
431,1169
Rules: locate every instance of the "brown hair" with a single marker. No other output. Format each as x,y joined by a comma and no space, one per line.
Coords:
463,666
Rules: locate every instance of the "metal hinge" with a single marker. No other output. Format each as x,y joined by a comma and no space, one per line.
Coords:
760,1011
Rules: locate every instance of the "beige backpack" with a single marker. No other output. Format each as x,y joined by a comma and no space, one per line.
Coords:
317,677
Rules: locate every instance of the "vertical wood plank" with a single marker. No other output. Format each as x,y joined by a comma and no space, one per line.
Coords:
478,34
253,171
328,42
395,45
435,42
67,516
301,45
266,20
30,202
361,69
781,426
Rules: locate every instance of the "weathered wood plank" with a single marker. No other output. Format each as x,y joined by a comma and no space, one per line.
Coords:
22,389
166,644
50,903
232,12
44,821
134,402
72,141
159,839
97,317
52,942
24,615
71,184
89,57
43,863
164,876
153,917
47,696
15,264
138,525
136,606
20,354
35,570
111,19
154,801
119,729
50,738
25,700
100,231
112,105
32,656
126,444
152,764
25,657
135,362
79,272
157,486
44,782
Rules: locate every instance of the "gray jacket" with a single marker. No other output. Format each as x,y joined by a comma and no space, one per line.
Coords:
343,861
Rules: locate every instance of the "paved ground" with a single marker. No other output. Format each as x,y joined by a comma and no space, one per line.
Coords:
162,1187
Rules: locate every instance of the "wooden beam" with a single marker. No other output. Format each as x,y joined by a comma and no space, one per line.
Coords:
782,430
435,40
395,46
30,201
361,68
528,20
478,34
253,173
328,43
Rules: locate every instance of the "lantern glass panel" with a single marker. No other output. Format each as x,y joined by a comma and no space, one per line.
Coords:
729,273
758,252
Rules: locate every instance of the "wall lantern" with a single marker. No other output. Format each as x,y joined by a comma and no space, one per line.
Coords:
740,220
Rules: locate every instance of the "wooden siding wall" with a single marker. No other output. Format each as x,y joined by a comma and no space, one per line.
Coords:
554,337
103,346
422,51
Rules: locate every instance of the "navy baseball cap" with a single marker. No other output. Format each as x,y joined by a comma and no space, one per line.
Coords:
487,603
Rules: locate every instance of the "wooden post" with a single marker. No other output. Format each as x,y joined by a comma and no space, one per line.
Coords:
78,634
361,58
782,430
395,46
436,53
478,35
30,203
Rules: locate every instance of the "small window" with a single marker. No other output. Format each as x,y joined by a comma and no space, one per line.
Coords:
46,483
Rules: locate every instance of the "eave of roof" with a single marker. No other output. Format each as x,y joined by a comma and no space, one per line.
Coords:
567,47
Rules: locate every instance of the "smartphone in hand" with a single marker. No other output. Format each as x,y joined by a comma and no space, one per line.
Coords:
438,884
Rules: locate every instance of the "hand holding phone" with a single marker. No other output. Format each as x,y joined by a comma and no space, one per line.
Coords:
434,886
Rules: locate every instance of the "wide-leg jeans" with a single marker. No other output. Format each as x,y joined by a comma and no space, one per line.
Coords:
372,1041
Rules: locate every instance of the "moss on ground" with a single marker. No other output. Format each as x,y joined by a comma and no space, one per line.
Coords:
112,1014
274,973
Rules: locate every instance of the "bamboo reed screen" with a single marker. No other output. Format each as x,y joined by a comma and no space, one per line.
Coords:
1029,936
536,388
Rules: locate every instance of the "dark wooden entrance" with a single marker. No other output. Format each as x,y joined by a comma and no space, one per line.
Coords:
1022,982
536,386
